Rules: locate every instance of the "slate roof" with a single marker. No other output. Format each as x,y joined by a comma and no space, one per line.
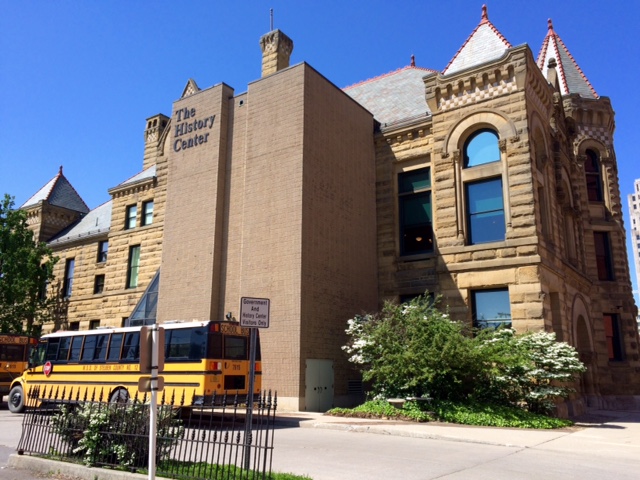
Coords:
59,192
395,96
139,177
484,44
97,221
572,80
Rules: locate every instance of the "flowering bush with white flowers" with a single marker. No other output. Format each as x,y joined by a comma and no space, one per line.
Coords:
415,349
116,434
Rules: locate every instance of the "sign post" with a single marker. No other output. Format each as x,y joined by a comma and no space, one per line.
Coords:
152,361
254,314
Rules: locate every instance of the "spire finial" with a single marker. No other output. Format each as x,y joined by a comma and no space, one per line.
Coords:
271,19
60,172
413,60
485,15
550,25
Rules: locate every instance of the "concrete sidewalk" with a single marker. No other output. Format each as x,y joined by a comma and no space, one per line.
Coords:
508,437
615,427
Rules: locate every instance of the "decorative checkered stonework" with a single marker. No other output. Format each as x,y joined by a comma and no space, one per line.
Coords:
468,98
591,131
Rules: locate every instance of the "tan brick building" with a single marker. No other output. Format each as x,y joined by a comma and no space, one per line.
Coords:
493,183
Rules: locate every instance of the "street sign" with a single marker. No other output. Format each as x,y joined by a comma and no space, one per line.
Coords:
144,384
254,312
146,350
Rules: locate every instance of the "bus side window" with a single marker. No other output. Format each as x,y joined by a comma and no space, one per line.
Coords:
52,349
89,348
76,346
131,348
113,354
63,349
101,348
178,344
198,344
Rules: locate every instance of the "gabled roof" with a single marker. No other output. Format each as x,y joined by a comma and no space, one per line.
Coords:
484,44
96,222
395,96
572,80
59,192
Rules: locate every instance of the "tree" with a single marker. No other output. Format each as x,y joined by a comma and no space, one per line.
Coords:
26,267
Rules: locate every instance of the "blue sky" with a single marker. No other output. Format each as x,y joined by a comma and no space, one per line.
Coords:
79,78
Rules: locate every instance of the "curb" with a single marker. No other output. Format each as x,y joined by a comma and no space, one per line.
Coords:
47,467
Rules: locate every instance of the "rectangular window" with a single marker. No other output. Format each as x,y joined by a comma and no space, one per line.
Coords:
614,338
147,213
93,324
603,256
74,326
68,277
98,284
133,266
101,348
491,308
131,347
115,344
76,346
414,199
132,214
103,249
485,211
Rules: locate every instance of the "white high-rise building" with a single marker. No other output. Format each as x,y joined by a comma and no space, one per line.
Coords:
634,213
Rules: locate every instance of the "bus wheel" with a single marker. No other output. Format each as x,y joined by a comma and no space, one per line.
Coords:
119,396
16,400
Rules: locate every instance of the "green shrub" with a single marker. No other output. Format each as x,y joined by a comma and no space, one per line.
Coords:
115,433
383,409
495,416
415,350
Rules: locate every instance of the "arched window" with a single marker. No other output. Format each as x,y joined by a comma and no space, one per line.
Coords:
484,203
593,177
480,148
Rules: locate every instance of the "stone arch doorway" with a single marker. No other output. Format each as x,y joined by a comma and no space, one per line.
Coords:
583,342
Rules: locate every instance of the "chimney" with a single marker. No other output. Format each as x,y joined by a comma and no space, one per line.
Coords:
276,50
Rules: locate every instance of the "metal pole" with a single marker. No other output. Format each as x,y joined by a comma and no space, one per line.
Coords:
153,407
249,415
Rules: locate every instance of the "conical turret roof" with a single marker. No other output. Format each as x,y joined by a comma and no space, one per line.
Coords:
484,44
572,80
59,192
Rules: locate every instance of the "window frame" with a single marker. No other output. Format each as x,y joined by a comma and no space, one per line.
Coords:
405,197
613,336
147,213
471,139
103,251
593,177
133,269
473,294
603,256
131,217
69,269
98,284
469,216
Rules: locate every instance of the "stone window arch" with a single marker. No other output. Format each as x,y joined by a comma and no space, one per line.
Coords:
478,143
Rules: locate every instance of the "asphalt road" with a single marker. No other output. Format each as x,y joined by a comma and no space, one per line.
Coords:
339,451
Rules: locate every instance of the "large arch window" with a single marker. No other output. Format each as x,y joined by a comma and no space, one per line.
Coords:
593,176
481,148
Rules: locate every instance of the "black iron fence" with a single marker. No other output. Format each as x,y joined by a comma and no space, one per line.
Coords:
202,441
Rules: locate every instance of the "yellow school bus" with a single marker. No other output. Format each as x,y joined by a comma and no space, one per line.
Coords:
14,353
201,359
